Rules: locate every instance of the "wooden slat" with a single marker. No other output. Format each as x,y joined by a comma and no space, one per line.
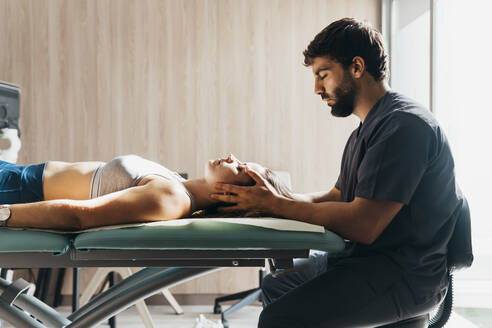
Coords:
178,82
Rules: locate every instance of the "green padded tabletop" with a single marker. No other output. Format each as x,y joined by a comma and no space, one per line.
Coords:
199,235
12,241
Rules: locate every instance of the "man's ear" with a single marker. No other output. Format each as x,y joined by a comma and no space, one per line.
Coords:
358,67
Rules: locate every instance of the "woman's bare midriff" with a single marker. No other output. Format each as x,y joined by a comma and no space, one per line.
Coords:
62,180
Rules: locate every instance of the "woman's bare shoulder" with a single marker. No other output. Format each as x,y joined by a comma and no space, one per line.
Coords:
163,185
172,194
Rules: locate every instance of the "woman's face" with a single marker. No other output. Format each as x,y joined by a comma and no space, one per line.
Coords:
228,170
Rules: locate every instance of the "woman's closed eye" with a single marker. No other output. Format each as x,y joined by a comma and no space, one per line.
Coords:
241,167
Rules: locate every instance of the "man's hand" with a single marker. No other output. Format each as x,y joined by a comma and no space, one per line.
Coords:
260,197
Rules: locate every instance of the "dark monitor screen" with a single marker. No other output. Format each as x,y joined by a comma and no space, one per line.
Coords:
9,106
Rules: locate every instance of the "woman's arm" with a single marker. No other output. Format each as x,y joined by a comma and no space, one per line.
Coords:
57,214
159,199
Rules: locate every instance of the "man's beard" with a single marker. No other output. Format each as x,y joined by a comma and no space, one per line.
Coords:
345,97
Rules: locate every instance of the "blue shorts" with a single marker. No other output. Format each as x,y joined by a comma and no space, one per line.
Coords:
21,183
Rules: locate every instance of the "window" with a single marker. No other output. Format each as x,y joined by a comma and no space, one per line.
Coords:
440,56
410,48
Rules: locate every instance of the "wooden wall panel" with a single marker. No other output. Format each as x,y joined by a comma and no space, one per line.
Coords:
178,82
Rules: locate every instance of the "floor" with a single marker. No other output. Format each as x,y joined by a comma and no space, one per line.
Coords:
163,317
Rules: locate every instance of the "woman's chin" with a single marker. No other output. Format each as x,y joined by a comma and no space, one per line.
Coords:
208,168
208,176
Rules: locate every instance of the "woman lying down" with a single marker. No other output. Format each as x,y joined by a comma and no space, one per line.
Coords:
127,189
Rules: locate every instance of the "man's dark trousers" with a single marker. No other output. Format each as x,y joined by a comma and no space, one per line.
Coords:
347,292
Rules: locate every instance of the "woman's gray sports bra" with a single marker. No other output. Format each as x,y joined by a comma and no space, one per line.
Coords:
126,171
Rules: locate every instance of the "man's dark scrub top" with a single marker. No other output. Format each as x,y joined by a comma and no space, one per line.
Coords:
401,154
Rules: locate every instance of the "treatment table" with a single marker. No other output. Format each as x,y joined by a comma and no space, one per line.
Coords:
172,252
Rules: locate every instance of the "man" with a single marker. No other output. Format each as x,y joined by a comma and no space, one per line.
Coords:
396,199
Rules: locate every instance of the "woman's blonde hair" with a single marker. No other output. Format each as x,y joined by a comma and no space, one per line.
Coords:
271,177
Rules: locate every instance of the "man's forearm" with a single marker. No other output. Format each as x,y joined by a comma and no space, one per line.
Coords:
321,196
339,217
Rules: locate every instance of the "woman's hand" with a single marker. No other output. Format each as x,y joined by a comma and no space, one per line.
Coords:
260,197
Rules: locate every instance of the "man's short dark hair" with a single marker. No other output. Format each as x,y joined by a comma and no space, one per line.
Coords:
346,38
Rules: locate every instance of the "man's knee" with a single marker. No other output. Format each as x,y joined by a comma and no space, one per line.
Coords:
269,288
263,320
276,317
268,319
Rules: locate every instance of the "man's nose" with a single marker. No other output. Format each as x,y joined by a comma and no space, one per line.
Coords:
318,87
